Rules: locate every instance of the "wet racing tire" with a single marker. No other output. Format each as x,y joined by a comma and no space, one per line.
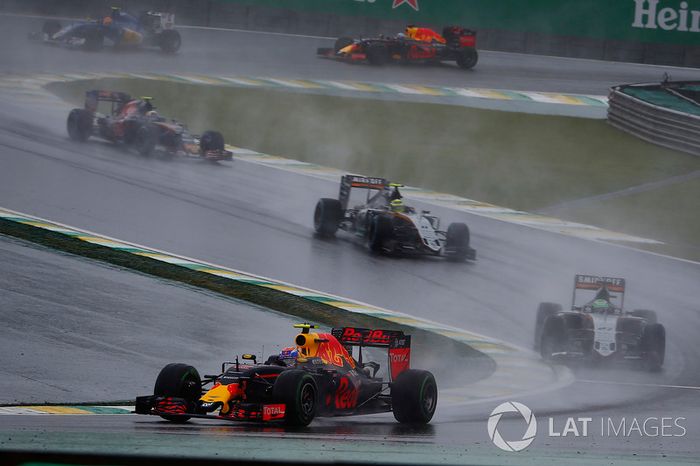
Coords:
653,345
169,41
211,140
414,397
554,338
467,58
146,139
327,217
179,381
79,124
544,310
380,233
457,242
298,391
377,54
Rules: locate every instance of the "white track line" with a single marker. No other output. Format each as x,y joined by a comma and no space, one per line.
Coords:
637,384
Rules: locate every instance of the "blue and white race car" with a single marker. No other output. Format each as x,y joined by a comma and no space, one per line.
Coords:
119,29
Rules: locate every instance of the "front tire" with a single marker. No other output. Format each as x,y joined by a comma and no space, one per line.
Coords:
327,216
51,27
380,233
79,124
544,310
298,391
467,58
211,140
457,241
179,381
653,346
414,397
169,41
146,139
377,54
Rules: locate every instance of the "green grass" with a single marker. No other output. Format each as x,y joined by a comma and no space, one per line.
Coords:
521,161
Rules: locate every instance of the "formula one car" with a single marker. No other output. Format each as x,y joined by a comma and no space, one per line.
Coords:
135,123
597,330
385,224
416,44
317,377
120,29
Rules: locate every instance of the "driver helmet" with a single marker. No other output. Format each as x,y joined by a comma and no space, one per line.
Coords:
107,21
152,114
289,353
397,205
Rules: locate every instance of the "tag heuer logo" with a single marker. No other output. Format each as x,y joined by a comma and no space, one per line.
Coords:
412,3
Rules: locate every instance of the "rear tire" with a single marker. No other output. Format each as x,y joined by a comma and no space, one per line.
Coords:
377,54
467,58
327,216
179,381
414,397
298,391
544,310
169,41
457,241
145,139
79,124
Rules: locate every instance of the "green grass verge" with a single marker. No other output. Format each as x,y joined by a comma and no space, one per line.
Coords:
478,364
516,160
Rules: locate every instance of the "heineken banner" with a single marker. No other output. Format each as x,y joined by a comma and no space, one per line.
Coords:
659,21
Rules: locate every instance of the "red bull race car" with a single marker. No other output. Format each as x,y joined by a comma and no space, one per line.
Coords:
383,222
136,124
119,29
414,45
318,376
597,330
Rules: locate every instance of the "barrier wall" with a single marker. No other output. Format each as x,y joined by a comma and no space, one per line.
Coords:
649,31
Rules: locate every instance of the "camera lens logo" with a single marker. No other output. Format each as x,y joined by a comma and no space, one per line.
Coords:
528,436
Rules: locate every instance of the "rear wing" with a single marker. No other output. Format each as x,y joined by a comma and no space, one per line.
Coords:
347,182
92,98
587,287
397,343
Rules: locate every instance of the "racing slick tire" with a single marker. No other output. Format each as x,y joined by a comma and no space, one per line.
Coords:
179,381
169,41
327,216
380,232
50,27
342,42
457,241
646,314
145,139
414,397
211,140
377,54
544,310
467,58
653,345
298,391
79,124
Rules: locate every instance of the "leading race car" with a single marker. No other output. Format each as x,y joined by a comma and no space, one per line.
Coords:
318,376
120,29
386,224
597,330
414,45
135,123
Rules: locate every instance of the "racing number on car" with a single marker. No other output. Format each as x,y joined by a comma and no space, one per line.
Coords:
346,395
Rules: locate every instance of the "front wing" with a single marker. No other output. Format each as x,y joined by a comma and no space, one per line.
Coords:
179,407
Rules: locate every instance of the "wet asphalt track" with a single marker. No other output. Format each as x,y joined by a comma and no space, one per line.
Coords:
258,220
